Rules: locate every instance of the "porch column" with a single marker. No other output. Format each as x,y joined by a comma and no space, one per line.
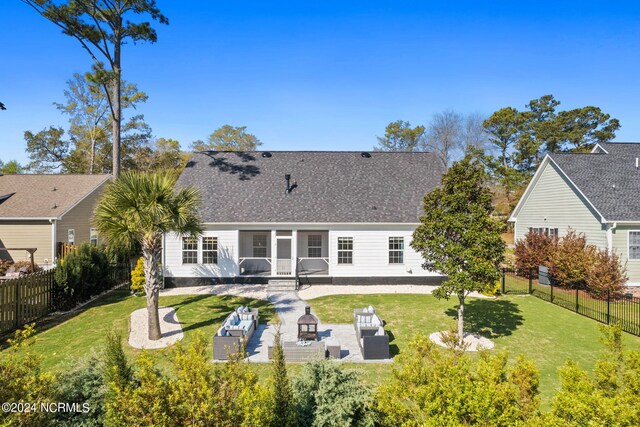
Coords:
274,253
294,252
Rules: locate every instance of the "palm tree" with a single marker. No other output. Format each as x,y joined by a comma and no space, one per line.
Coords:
139,207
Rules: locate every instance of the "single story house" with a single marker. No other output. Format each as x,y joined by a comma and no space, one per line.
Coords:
333,217
41,211
594,193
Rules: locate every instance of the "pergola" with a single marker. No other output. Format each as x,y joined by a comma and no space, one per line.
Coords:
30,250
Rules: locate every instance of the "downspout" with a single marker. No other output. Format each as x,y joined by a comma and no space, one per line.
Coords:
54,246
610,229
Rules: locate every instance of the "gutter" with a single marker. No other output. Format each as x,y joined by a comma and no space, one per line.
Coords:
54,238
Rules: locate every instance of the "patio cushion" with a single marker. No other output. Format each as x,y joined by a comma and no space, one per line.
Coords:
234,318
246,324
380,331
375,320
371,309
221,332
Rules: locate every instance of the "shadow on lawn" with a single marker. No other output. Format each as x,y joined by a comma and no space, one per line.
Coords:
54,319
490,318
220,307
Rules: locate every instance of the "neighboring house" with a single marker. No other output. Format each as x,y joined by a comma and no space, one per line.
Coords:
595,193
40,211
336,217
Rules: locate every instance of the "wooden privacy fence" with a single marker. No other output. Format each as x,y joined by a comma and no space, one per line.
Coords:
28,298
25,299
606,308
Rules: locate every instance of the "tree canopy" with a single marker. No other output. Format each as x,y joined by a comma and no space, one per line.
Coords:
102,27
457,235
228,138
400,136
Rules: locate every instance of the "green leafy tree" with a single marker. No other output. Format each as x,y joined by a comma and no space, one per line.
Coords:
283,410
228,138
458,237
87,148
327,395
102,27
436,387
400,136
161,154
139,207
12,167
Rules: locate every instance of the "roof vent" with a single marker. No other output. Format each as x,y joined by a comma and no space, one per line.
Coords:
55,206
637,163
266,154
365,155
54,189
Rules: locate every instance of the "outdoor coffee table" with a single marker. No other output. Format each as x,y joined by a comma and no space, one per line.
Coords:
303,353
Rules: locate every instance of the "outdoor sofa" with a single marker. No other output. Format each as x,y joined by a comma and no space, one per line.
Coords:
372,338
236,331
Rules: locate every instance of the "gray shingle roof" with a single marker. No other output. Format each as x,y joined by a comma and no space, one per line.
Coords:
44,196
334,187
596,175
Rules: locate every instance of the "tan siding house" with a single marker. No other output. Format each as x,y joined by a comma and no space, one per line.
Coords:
37,211
595,193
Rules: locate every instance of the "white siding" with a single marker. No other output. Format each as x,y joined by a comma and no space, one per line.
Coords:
554,203
227,256
370,250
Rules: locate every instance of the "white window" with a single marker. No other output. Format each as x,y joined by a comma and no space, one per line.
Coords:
314,245
71,236
553,232
345,250
189,250
93,237
634,245
396,250
259,245
209,250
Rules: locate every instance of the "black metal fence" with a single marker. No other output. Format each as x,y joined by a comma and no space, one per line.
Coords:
30,297
608,309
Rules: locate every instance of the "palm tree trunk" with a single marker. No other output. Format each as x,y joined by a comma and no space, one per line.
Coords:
461,319
151,257
117,109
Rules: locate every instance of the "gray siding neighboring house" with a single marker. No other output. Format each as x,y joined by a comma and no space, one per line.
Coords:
595,193
343,217
38,211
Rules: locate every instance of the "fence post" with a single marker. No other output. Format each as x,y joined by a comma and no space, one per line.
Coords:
577,303
531,280
504,273
17,303
608,307
551,284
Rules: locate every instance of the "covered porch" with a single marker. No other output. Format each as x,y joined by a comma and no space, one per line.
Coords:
284,253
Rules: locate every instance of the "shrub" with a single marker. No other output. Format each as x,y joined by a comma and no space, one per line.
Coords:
137,277
327,395
610,397
437,387
23,380
606,276
534,250
27,265
571,261
283,404
82,383
84,272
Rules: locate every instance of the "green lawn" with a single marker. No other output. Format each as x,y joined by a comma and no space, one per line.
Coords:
543,332
80,335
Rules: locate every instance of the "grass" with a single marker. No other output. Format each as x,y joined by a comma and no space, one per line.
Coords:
547,334
86,332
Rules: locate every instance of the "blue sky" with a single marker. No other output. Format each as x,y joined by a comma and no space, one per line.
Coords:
330,75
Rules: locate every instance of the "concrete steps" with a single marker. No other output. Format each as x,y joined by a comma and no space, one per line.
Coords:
281,285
